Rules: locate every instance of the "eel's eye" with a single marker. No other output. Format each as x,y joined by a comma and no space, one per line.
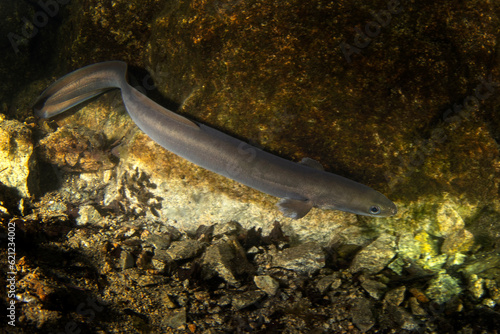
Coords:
374,210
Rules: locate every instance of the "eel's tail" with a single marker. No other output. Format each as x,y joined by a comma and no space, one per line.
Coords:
79,86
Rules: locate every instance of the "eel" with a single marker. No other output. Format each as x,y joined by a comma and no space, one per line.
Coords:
300,186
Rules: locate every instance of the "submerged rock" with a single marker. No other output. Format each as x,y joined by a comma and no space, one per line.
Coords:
376,256
395,296
87,214
225,259
246,299
443,287
268,284
459,241
18,169
185,249
307,258
70,150
362,314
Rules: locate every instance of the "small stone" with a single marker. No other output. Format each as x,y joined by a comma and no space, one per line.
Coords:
267,283
176,318
448,221
362,315
331,281
433,263
88,215
162,262
489,302
202,295
395,296
174,233
168,301
415,307
158,265
410,247
493,290
245,299
307,258
253,250
456,259
374,288
442,288
404,319
225,259
397,265
148,280
476,286
126,260
224,301
458,241
185,249
231,228
376,256
159,241
144,260
162,255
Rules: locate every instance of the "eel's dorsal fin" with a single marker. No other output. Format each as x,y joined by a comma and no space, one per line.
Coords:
311,163
294,208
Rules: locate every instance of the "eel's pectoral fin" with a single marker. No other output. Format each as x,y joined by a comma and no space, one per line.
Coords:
294,208
311,163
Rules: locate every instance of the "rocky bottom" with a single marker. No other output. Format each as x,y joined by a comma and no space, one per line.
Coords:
122,276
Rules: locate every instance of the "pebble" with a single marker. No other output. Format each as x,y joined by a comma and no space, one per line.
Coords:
245,299
266,283
459,241
225,259
231,228
442,288
374,288
88,215
362,315
448,220
328,282
415,307
176,318
307,258
395,296
185,249
476,286
159,241
376,256
126,260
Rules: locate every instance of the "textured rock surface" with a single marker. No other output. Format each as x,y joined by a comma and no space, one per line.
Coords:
307,258
374,257
17,163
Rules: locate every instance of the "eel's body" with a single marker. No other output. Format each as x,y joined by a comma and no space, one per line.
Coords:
300,185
